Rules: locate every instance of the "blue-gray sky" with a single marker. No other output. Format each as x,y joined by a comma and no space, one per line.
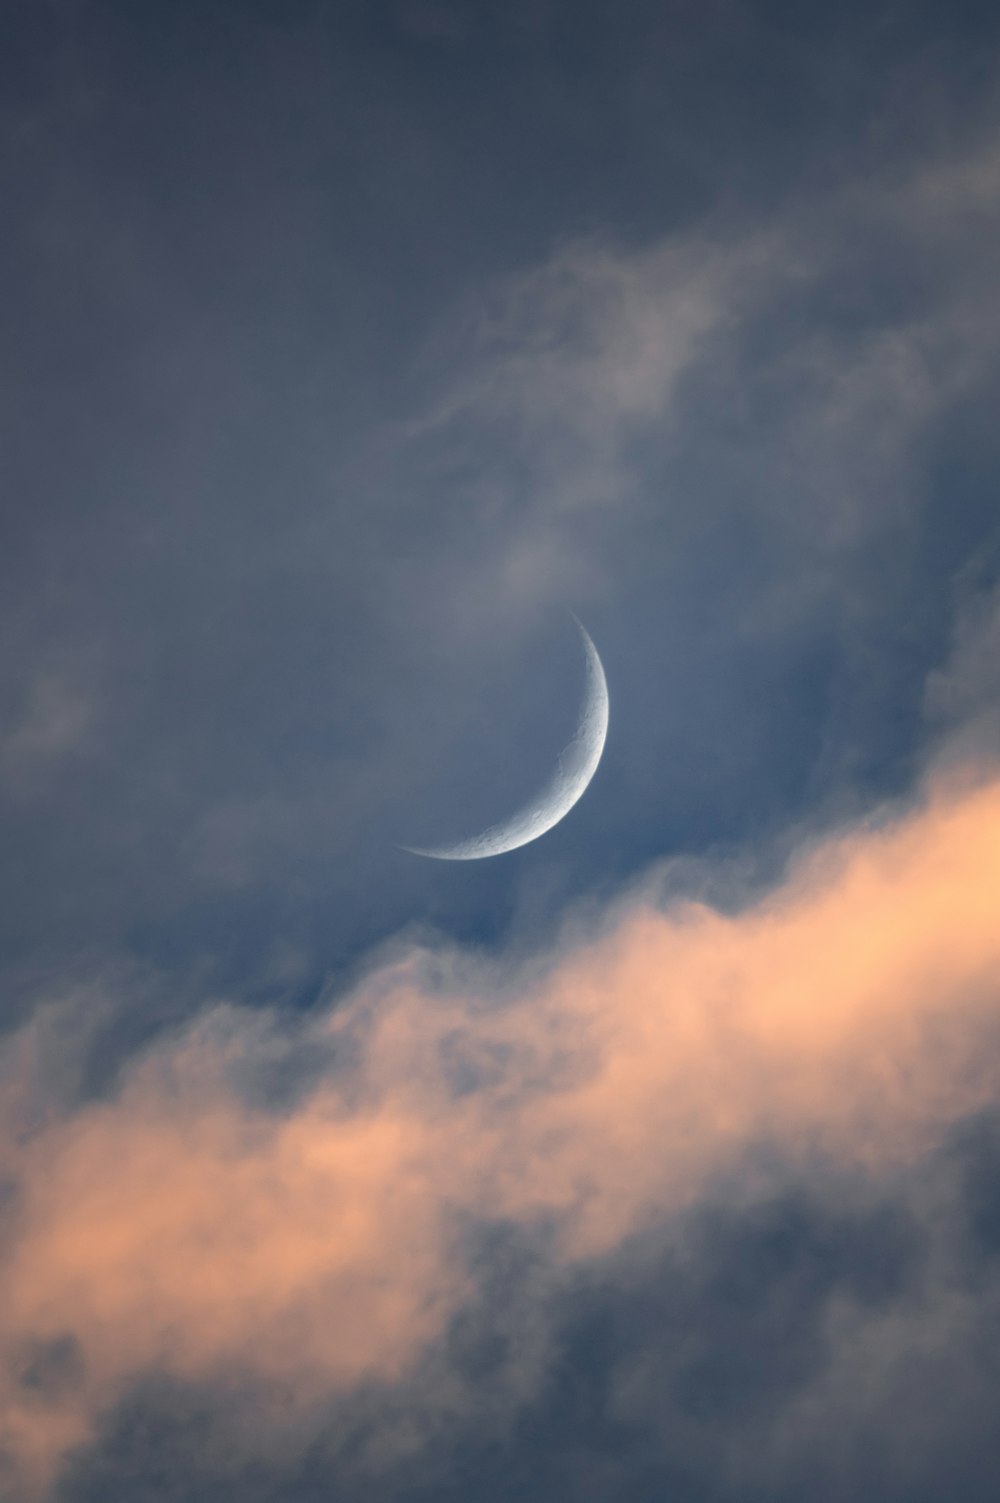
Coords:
348,347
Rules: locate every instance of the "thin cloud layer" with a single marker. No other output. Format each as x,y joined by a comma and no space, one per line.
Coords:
190,1225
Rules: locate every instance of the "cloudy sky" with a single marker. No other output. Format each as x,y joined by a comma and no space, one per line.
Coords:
348,347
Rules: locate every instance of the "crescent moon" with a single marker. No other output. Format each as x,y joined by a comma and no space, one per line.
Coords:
575,766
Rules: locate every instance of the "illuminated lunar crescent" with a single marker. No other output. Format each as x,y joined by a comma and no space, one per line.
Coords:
575,766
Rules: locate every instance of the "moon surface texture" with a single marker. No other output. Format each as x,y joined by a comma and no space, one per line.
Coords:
575,766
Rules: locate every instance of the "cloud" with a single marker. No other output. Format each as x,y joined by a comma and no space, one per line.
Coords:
55,724
192,1224
962,698
774,320
780,381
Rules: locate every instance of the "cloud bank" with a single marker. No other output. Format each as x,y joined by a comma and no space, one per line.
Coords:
196,1224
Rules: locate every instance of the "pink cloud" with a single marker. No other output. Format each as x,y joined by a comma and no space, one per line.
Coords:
181,1228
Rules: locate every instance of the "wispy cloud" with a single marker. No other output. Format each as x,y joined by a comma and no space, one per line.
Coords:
55,723
785,373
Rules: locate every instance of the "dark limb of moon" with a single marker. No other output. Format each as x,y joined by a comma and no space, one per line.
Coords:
575,766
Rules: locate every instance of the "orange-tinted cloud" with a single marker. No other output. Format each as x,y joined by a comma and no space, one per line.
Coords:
182,1228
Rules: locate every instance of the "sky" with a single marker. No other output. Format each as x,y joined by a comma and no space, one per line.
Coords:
351,347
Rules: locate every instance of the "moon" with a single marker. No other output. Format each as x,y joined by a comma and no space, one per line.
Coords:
575,766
